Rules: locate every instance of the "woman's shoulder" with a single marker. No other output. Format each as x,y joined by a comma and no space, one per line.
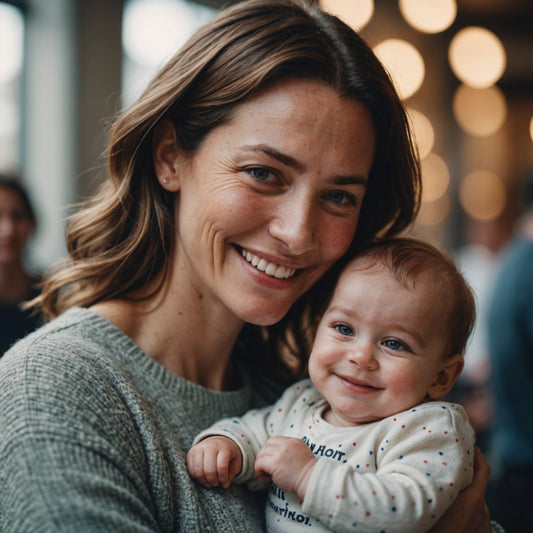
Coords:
59,378
69,350
71,331
62,335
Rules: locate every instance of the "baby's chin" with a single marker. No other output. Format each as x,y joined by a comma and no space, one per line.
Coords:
339,419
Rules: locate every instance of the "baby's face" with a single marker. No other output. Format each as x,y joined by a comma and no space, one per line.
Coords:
379,347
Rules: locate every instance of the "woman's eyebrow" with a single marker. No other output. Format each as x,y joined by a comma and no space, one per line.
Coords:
299,166
276,154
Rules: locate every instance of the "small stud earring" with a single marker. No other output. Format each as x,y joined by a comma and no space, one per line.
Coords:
165,180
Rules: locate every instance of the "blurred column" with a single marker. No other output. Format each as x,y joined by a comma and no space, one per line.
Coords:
71,83
99,64
49,142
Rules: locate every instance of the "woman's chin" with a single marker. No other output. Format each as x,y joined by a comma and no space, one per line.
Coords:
263,316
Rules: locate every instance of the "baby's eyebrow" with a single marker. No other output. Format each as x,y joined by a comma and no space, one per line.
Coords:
341,310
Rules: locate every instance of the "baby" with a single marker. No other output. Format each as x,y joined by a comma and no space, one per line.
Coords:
365,444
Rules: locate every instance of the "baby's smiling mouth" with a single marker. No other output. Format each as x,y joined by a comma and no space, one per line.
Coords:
271,269
358,383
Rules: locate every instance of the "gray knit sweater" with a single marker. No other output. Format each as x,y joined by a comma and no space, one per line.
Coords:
93,437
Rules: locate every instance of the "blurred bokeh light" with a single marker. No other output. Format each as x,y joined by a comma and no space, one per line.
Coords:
355,13
11,42
483,195
11,57
435,178
479,112
477,57
404,63
429,16
154,29
423,131
434,213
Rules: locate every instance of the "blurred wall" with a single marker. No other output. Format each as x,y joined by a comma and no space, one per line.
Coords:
71,77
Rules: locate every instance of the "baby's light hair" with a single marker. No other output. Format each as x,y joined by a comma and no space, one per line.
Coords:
412,261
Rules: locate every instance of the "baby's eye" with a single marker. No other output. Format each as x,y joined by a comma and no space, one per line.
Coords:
260,173
343,329
395,345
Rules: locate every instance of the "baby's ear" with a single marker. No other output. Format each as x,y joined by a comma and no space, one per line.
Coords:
450,370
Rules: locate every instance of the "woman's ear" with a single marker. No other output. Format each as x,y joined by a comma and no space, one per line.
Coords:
447,375
165,155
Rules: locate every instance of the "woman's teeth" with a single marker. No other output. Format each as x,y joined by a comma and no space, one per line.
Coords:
271,269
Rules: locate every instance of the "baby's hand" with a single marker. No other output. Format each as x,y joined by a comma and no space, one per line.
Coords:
288,462
214,461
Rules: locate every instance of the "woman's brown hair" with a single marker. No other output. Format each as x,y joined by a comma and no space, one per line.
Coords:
122,238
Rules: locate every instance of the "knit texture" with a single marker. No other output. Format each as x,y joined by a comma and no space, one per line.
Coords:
94,433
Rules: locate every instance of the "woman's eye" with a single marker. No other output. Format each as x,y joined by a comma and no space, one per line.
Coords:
343,329
260,173
340,198
395,345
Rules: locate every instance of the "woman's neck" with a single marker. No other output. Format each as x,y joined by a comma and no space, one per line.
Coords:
189,336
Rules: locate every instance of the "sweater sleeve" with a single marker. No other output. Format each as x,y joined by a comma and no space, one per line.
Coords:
423,461
69,449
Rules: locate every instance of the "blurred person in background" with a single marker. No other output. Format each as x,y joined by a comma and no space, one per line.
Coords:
479,261
17,284
510,335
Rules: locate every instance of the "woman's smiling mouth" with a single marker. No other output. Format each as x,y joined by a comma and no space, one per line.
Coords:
271,269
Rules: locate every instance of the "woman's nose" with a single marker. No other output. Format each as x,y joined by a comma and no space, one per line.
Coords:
295,223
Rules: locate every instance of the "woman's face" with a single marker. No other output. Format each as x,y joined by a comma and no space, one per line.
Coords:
16,226
271,199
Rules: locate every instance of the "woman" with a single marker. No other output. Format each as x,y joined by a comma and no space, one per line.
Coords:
17,224
235,183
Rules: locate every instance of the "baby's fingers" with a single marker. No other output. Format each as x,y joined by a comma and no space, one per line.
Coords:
223,468
214,461
212,468
195,465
